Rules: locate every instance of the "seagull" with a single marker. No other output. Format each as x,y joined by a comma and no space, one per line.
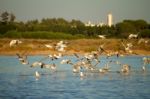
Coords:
53,56
81,74
102,70
102,36
37,75
125,68
48,46
146,60
60,46
53,67
22,59
133,36
77,66
57,56
37,63
92,56
14,42
101,49
143,68
106,68
67,61
76,55
127,47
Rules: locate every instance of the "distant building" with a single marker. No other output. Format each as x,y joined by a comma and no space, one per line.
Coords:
89,24
100,24
109,20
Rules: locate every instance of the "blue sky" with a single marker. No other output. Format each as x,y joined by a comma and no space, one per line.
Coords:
84,10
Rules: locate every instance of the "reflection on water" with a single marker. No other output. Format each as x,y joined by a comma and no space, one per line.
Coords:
18,81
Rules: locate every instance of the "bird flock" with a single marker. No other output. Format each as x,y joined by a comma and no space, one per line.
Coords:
88,62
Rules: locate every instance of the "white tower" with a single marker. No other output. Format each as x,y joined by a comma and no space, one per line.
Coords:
109,19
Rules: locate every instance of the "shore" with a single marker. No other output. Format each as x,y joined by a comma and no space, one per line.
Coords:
81,46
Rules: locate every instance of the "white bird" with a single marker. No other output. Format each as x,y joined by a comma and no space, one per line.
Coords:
125,68
58,56
60,46
66,61
75,70
146,60
76,67
143,41
143,68
37,63
94,55
37,75
101,49
133,36
127,47
53,67
102,36
89,56
48,46
102,70
22,59
81,74
55,56
14,42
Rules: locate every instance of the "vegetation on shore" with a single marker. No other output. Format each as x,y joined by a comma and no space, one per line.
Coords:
81,38
59,28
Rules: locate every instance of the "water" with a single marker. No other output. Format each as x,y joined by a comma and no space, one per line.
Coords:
18,81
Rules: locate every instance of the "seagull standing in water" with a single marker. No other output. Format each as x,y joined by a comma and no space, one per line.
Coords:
143,68
37,75
145,62
125,68
81,74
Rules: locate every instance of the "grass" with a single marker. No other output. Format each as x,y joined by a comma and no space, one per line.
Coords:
41,35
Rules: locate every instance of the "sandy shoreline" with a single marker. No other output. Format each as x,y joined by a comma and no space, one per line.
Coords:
81,46
71,52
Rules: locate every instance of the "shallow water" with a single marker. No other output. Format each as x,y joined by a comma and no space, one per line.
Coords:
18,81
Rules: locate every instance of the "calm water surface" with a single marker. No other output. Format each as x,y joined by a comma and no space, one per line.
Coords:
18,81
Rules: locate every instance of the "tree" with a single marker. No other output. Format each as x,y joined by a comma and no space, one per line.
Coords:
12,17
145,33
4,17
140,25
125,28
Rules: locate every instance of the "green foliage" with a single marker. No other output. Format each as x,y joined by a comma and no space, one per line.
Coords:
12,34
42,35
4,17
125,28
145,33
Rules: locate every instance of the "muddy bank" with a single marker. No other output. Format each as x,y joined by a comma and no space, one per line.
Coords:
81,46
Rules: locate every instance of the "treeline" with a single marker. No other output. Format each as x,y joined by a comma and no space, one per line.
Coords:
60,28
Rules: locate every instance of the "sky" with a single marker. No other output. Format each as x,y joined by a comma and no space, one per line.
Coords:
85,10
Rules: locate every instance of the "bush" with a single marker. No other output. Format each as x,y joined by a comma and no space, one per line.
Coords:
42,35
145,33
12,34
